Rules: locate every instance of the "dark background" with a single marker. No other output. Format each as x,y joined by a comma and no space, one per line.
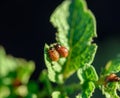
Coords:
25,27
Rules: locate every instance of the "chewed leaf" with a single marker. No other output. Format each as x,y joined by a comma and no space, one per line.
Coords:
87,78
76,27
88,89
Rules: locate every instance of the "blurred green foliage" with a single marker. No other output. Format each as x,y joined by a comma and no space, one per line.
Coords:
14,77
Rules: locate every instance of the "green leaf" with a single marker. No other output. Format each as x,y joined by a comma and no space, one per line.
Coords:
87,74
88,77
25,69
110,89
87,90
113,66
76,27
54,68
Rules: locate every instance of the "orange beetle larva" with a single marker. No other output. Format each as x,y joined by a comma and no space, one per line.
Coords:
63,51
53,54
111,78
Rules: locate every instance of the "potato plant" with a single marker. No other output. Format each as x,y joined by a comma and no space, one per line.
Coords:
69,69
